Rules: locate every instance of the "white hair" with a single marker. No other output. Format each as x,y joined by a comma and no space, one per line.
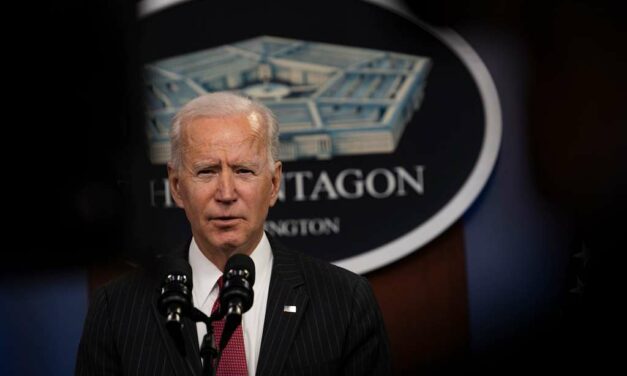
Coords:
219,105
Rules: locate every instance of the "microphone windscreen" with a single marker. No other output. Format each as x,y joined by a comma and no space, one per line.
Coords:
242,262
174,265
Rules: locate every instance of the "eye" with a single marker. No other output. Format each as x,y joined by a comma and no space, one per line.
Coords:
244,171
206,172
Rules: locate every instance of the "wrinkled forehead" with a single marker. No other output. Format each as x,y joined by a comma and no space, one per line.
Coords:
254,119
244,130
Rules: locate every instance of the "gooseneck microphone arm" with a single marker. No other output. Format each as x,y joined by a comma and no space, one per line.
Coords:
175,303
208,349
236,297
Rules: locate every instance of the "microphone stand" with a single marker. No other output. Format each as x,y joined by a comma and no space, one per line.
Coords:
208,349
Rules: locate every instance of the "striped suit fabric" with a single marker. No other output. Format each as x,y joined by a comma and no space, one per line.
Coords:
337,328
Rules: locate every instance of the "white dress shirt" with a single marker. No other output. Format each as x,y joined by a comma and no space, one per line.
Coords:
205,292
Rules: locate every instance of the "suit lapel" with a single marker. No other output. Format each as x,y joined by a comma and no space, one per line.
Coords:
280,327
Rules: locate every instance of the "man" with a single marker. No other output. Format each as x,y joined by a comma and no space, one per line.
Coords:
308,317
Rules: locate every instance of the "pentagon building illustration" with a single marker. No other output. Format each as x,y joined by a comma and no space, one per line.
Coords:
330,100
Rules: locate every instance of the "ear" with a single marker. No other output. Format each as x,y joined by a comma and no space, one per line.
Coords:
174,183
276,182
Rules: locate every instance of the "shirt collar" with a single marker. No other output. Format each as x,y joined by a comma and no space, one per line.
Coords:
205,274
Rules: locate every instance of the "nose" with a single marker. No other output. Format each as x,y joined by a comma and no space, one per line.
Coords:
226,192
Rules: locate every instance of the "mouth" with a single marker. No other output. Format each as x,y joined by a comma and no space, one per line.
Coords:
225,221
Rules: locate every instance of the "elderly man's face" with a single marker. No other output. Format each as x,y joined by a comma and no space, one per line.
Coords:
225,183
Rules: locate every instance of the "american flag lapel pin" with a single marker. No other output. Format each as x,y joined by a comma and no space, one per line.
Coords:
289,308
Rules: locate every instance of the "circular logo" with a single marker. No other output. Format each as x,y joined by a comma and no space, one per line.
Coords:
388,128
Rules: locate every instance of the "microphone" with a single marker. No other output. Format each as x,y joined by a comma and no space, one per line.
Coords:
237,293
175,299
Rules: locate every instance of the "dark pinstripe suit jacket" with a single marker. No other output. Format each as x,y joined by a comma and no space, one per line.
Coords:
337,328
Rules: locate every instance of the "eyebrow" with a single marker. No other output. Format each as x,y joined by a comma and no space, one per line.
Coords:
210,163
251,165
204,164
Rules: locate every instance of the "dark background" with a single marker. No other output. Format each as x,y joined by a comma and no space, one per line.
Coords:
72,136
576,135
72,148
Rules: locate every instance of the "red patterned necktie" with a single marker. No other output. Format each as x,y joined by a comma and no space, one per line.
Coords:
233,358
